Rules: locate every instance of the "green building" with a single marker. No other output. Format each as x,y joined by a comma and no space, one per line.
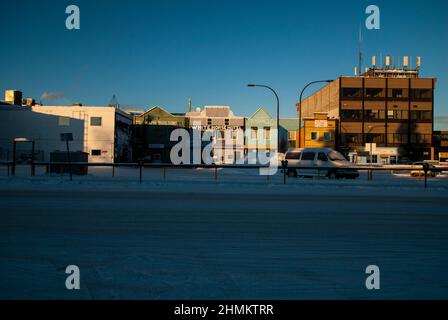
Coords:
261,123
289,132
151,133
259,126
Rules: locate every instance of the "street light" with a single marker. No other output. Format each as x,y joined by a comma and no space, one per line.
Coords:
278,110
300,107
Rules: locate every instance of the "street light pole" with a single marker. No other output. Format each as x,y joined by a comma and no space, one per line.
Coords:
300,107
278,110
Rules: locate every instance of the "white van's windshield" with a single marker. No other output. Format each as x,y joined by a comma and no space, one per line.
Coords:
336,156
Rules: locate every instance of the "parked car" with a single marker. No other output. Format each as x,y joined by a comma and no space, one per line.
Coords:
319,162
421,172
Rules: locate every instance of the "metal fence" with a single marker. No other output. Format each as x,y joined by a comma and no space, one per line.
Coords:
423,170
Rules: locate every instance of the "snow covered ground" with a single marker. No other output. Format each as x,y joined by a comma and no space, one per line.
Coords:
189,236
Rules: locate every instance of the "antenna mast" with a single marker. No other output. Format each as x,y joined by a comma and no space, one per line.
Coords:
114,102
360,51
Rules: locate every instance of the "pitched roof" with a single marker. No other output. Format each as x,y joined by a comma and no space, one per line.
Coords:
261,110
161,109
289,123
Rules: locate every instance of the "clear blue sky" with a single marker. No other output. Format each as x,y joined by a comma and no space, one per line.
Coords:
162,52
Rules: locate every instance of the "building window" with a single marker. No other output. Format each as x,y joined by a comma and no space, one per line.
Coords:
209,122
397,114
426,115
424,94
351,93
291,139
327,136
254,133
351,114
421,138
314,135
226,122
377,138
421,115
267,133
396,93
96,152
352,138
64,121
374,93
372,158
397,138
390,114
374,114
96,121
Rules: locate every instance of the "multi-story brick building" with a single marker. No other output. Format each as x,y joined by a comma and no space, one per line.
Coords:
388,107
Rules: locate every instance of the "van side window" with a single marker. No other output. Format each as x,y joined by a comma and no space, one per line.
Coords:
322,156
292,156
308,156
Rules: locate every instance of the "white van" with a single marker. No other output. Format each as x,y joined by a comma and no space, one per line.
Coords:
319,162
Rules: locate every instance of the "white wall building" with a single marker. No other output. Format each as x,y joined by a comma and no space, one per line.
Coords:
102,132
44,130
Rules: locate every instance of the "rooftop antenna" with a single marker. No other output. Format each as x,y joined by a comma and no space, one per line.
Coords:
360,50
387,61
405,62
189,105
418,63
114,102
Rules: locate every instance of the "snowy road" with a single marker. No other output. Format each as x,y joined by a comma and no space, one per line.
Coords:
217,240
